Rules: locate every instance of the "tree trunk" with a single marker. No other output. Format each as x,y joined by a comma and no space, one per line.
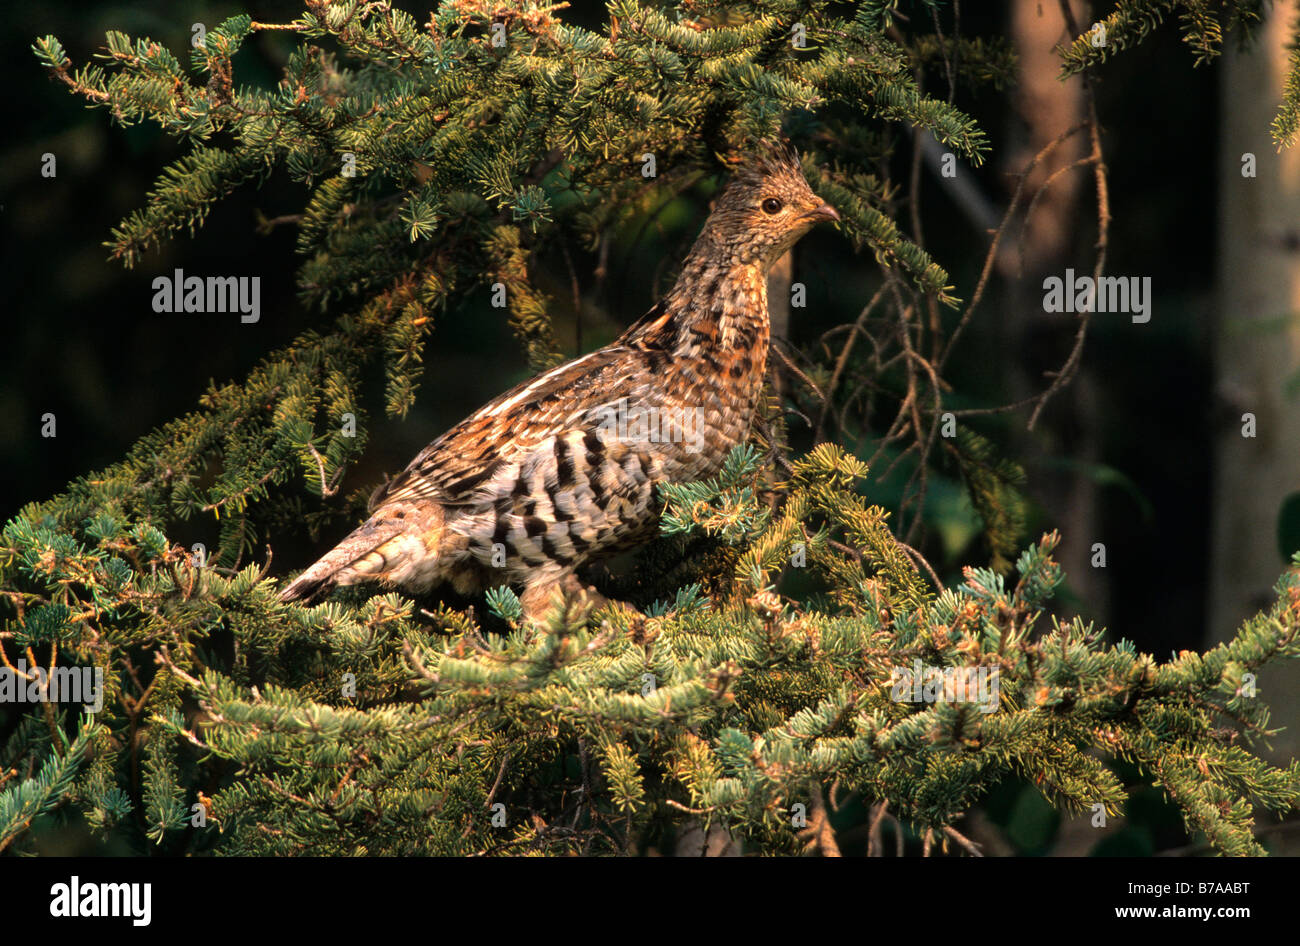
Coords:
1257,349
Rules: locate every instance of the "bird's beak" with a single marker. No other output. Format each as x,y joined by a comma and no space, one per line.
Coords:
824,212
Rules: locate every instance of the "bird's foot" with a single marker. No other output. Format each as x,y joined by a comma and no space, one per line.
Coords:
568,594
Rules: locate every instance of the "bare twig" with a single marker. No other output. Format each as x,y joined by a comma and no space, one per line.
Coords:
964,841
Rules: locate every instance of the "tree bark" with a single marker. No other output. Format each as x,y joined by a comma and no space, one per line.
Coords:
1257,349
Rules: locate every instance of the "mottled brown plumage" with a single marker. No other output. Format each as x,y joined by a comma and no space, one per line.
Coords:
561,470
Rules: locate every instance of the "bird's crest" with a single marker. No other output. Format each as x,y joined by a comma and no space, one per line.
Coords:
770,157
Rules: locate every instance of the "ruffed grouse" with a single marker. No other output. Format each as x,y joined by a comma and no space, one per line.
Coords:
562,469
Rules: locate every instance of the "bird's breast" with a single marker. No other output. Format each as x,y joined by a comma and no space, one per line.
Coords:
682,397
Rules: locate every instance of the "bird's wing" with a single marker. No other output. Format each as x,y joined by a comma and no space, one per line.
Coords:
458,467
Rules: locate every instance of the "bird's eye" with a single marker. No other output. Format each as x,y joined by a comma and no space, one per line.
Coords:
772,205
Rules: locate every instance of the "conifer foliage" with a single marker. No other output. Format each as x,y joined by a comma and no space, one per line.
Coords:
438,159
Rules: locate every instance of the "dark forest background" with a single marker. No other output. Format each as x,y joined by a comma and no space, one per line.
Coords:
1135,435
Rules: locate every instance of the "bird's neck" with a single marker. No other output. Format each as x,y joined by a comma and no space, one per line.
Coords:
716,305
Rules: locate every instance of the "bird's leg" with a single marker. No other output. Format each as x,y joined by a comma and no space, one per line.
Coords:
539,598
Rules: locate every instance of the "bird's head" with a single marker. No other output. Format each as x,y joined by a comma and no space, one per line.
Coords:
765,209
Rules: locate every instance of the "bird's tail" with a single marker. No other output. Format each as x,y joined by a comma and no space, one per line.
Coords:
376,549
